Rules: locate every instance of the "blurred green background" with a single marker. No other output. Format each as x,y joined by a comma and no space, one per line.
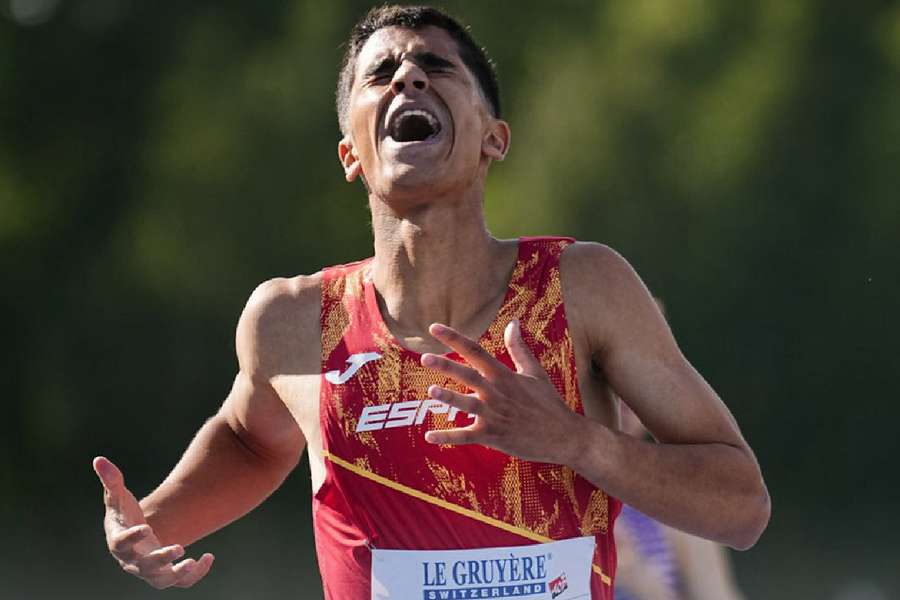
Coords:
159,159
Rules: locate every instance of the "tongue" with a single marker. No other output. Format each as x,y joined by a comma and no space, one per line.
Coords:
413,128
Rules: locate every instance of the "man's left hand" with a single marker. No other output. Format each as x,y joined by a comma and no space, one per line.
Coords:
517,412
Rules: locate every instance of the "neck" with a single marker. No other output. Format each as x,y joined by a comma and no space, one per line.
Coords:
436,261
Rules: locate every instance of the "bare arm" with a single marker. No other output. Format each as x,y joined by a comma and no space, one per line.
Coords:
236,460
702,477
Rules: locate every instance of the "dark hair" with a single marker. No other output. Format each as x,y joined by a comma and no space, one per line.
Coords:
415,17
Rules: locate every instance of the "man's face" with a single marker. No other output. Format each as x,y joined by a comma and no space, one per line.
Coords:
417,121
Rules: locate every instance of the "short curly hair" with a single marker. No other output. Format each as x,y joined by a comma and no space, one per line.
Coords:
415,17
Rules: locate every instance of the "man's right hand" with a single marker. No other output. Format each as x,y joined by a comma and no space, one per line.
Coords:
132,541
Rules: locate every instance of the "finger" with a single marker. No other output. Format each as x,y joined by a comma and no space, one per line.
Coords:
198,572
112,480
456,437
122,543
160,558
477,356
519,351
183,568
464,402
460,372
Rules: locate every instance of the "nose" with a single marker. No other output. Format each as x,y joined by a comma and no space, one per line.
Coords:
409,77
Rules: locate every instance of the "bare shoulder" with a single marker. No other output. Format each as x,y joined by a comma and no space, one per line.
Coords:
278,332
603,292
592,268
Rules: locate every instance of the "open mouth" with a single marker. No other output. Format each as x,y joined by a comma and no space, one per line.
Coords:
414,125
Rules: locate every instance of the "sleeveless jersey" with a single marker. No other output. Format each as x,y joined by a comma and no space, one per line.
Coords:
386,487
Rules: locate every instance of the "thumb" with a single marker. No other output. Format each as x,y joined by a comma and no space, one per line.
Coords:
521,355
112,480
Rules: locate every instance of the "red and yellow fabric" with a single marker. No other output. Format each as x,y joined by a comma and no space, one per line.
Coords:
388,488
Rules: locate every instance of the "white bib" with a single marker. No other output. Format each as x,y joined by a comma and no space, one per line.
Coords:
552,571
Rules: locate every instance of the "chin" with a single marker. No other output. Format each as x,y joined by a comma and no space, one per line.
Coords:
406,179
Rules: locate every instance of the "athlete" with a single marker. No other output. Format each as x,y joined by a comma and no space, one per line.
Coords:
450,389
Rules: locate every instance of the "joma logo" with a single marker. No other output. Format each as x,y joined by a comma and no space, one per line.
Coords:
354,362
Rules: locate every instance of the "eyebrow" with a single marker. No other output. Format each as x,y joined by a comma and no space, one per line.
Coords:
382,66
425,60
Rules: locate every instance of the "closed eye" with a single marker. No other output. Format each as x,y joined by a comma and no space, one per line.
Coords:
430,61
382,70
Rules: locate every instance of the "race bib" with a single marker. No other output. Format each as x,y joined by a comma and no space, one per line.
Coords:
555,571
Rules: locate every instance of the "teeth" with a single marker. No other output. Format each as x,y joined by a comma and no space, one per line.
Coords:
432,120
421,113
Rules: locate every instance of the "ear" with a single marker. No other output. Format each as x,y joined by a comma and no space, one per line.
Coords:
495,144
349,159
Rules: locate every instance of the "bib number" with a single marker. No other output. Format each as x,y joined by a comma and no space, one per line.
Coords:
553,571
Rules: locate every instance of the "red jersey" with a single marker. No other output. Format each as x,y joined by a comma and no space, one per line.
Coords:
386,487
